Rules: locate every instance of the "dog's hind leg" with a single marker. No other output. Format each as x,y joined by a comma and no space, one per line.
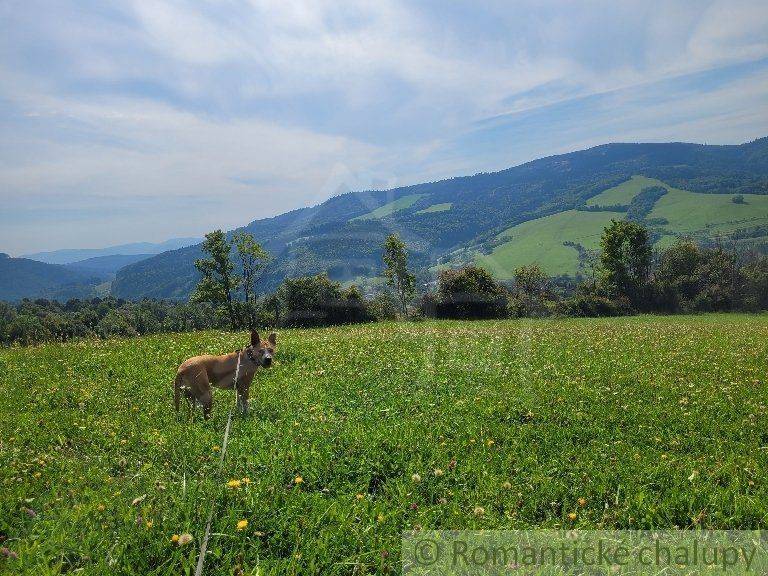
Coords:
207,401
177,384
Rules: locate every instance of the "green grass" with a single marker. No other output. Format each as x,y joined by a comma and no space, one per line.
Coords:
445,206
390,207
540,241
689,214
692,213
655,422
624,192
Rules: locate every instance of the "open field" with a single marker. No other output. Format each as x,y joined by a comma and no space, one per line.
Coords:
616,423
688,214
443,207
391,207
540,241
624,192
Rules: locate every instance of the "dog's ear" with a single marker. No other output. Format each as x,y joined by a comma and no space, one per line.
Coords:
273,339
255,340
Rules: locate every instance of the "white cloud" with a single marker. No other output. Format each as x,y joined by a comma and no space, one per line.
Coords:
167,103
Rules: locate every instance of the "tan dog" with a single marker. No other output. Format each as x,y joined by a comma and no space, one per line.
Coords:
196,375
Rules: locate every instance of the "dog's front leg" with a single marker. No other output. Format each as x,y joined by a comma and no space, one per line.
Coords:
242,398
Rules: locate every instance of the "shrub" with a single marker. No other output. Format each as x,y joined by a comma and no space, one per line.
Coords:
589,304
532,293
27,329
115,324
318,301
469,292
383,306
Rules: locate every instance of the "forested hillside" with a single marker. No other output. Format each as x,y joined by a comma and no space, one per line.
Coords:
24,278
467,218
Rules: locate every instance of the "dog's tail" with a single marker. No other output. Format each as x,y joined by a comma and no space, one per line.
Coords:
177,389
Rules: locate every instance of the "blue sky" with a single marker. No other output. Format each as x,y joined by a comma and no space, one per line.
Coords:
144,120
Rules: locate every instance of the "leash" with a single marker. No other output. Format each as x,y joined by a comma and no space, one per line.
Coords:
204,546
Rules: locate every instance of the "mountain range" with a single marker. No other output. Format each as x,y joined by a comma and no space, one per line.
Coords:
72,255
74,273
549,211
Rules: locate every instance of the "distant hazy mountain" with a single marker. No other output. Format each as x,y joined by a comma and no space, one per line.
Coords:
24,278
107,264
550,211
70,255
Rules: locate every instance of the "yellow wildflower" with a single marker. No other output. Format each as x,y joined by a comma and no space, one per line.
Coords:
241,525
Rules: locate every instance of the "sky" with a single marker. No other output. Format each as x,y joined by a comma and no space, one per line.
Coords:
143,120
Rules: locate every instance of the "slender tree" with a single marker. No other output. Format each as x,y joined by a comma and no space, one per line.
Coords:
219,280
253,259
396,270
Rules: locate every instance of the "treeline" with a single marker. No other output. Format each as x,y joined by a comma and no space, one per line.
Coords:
628,277
37,321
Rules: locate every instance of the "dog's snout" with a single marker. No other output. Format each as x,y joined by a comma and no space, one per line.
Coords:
267,360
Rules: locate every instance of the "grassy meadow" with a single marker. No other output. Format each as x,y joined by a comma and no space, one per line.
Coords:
687,214
360,432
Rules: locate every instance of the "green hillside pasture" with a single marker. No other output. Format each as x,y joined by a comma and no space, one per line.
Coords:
540,241
690,213
358,433
693,213
391,207
624,192
445,206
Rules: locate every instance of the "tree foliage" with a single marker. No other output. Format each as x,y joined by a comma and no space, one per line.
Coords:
396,270
625,260
218,280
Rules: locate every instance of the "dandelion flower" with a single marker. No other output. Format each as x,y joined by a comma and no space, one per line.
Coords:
507,485
100,507
416,478
246,480
298,480
438,472
479,511
175,538
149,523
242,524
572,516
490,443
582,501
216,448
185,539
233,484
359,496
